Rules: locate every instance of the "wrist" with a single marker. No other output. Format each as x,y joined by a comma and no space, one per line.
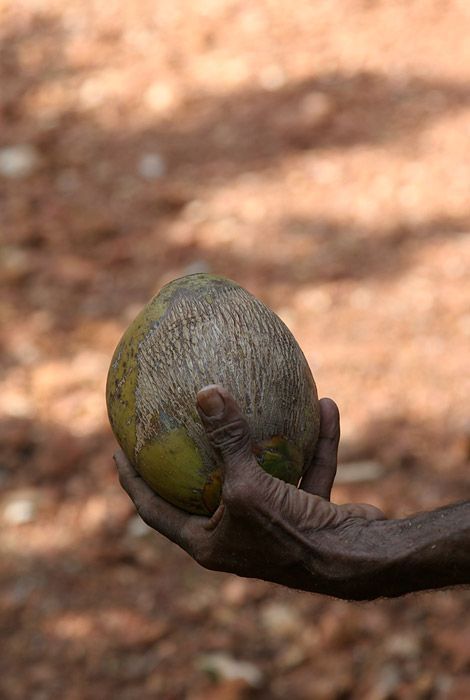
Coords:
389,558
344,562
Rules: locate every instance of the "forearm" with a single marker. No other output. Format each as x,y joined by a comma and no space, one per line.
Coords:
429,550
389,558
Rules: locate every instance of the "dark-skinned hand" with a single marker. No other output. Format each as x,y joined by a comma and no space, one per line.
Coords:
264,528
267,529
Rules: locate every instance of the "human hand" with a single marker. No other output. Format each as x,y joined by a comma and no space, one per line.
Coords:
264,528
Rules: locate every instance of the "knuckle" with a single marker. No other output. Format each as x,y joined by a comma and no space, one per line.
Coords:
231,437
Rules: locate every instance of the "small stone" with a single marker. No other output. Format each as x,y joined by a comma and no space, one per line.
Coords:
151,166
20,509
225,667
280,619
14,263
354,472
18,161
403,645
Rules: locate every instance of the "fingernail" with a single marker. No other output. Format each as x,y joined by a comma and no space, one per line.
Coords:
211,403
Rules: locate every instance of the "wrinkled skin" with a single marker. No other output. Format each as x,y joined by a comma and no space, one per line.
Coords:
250,534
267,529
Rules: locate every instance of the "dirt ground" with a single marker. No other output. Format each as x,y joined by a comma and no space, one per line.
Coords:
316,152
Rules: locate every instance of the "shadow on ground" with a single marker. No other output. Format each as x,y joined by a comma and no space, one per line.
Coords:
84,586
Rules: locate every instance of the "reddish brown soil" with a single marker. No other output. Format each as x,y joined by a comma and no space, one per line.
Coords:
316,152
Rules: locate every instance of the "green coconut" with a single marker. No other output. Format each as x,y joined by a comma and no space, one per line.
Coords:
199,330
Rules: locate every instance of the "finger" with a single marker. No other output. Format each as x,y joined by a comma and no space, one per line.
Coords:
154,510
320,475
362,510
228,432
323,515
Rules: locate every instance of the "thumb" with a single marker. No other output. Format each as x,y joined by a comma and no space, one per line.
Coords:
228,432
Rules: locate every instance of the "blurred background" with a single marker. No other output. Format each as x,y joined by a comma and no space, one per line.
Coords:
317,153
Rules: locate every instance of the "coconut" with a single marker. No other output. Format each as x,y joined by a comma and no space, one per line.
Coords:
198,330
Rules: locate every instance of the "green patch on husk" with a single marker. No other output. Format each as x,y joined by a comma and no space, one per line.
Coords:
173,467
280,458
